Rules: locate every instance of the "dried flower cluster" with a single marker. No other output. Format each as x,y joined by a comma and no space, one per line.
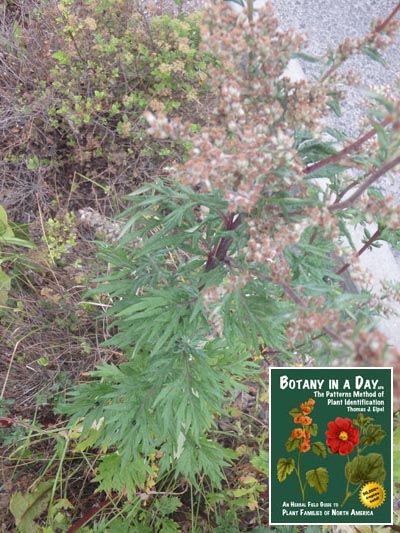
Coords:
381,35
108,228
248,154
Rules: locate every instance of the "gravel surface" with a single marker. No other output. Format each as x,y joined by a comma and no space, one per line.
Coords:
327,24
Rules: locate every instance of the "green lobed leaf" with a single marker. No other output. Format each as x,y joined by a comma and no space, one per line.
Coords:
318,479
295,411
292,444
319,449
261,462
313,429
168,505
285,467
365,468
372,434
112,475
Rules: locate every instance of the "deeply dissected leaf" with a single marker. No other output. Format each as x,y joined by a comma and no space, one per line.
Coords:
206,456
261,462
113,475
169,526
168,505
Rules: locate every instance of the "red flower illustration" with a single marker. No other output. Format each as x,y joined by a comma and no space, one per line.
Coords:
342,436
297,433
306,408
303,420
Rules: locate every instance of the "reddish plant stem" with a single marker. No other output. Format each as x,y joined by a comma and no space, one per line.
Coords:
366,245
350,148
289,291
296,298
388,18
312,238
394,527
87,516
347,189
219,252
7,422
377,29
374,177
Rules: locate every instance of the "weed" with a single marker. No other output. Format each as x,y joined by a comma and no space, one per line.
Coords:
60,236
8,240
79,112
222,269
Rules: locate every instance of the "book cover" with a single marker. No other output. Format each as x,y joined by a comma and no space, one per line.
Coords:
330,446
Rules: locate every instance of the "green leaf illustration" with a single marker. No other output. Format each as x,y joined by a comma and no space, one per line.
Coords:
318,479
366,468
373,434
319,449
313,429
284,468
295,411
362,420
292,444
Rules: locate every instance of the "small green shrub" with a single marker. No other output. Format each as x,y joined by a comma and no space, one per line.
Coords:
60,235
77,105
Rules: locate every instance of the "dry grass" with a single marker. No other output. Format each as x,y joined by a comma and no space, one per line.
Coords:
50,337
